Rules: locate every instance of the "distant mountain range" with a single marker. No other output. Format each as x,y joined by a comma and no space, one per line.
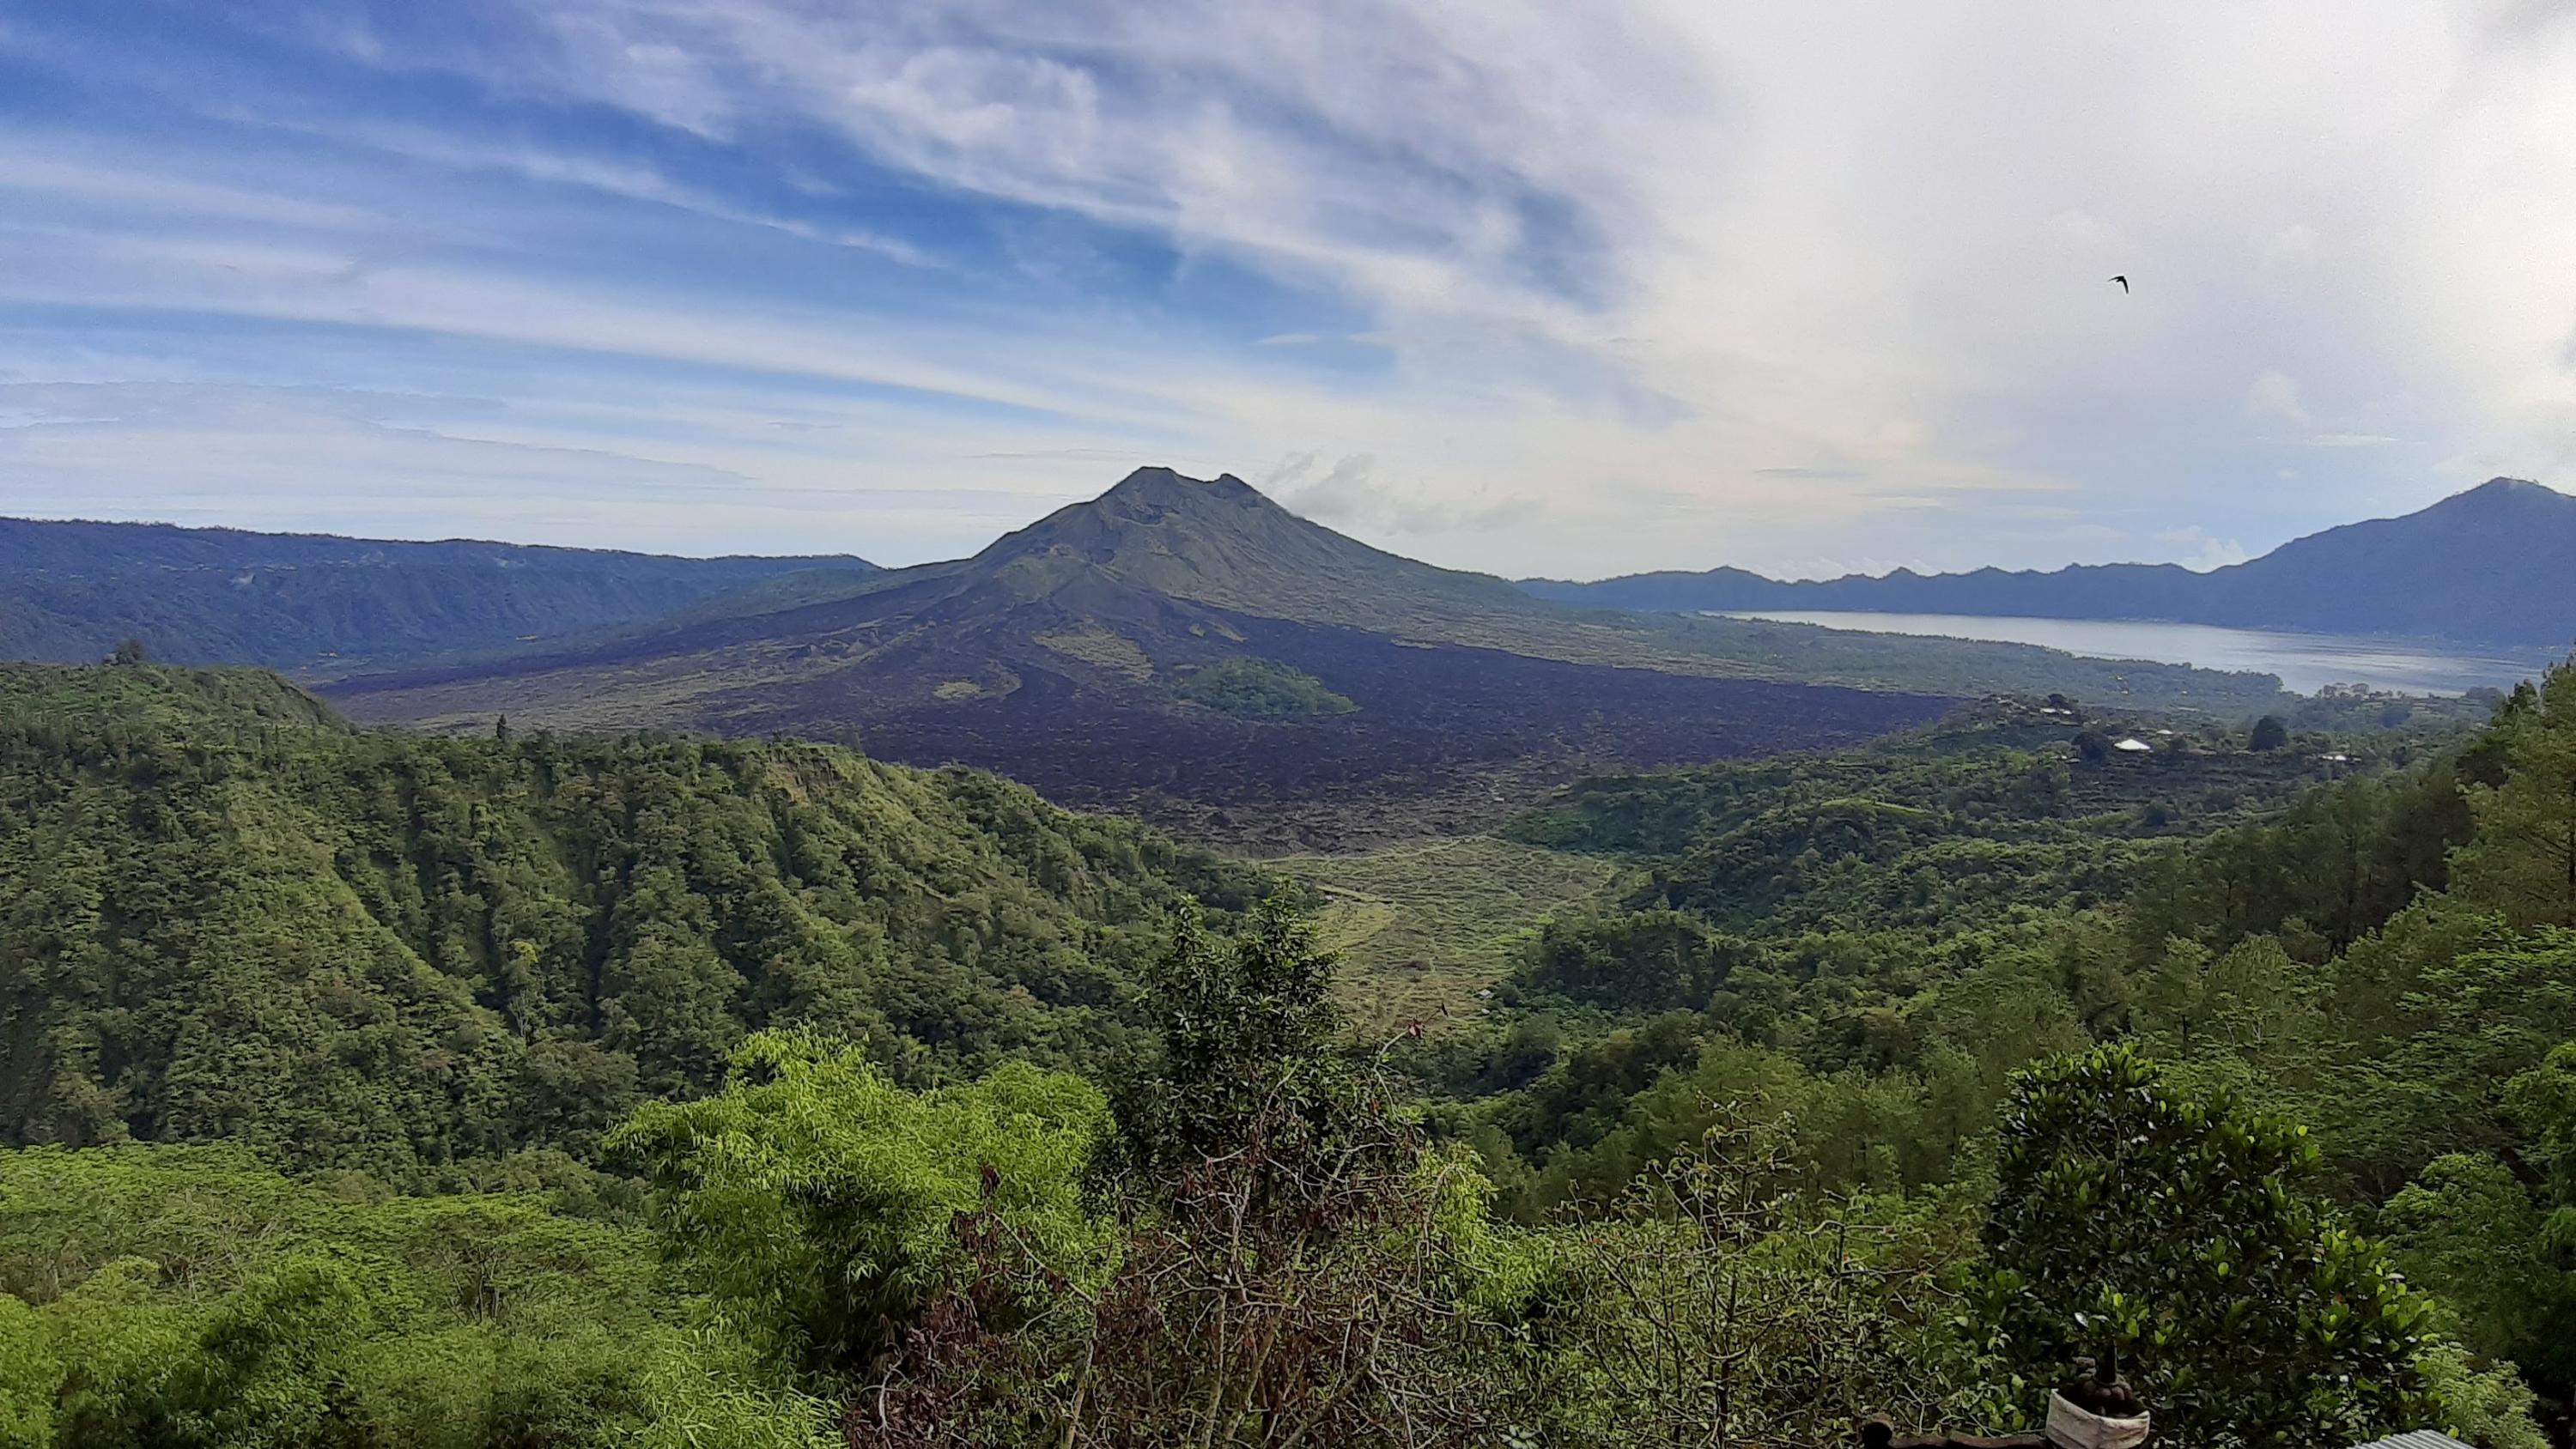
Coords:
1192,650
2494,565
317,604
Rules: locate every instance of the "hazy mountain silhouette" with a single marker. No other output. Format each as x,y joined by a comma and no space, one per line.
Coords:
71,591
2491,565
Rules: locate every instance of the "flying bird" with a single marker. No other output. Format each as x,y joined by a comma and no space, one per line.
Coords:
2124,284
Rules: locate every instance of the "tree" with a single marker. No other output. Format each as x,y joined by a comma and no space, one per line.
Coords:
128,653
2178,1241
819,1202
1719,1304
2472,1233
269,1364
1639,960
186,1297
30,1377
1251,1072
226,916
2523,860
1287,1260
2541,1290
2269,734
1287,1270
2092,747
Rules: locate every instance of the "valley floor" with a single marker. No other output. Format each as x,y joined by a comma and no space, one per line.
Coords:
1426,929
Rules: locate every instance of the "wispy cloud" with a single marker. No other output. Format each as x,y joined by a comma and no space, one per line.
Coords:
62,178
623,178
2348,440
1537,288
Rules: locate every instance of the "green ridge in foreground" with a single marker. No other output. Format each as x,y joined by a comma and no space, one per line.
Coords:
226,915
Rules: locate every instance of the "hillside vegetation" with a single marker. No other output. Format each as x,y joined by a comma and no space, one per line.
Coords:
1955,901
2363,927
1259,689
1422,928
230,917
673,1092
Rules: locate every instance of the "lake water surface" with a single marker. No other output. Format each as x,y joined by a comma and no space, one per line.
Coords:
2305,662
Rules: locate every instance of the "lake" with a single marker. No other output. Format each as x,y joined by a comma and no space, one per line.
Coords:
2305,662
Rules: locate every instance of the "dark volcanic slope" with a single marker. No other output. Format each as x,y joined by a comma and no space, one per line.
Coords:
2491,565
69,592
1063,656
1443,735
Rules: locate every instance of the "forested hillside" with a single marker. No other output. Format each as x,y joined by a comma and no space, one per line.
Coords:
227,916
1869,948
667,1092
1897,928
70,592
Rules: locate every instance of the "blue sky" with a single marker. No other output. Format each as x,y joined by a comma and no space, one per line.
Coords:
1524,287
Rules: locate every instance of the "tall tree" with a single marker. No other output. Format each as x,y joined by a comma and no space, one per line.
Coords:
2179,1240
1286,1266
2523,861
820,1202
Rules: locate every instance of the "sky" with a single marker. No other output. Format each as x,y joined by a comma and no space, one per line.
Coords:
1532,288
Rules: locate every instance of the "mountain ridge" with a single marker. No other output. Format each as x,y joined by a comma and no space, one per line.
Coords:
42,544
1063,655
316,603
1245,552
2486,565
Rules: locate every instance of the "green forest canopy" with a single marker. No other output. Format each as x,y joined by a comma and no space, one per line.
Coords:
1046,1171
230,918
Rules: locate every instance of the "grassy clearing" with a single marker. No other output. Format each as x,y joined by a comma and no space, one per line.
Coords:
1422,927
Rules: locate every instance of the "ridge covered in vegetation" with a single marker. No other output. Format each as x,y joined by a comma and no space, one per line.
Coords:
231,917
2245,1065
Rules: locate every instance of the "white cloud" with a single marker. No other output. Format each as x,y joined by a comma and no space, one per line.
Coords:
284,457
2275,395
1644,285
1798,225
2197,549
1349,494
318,284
